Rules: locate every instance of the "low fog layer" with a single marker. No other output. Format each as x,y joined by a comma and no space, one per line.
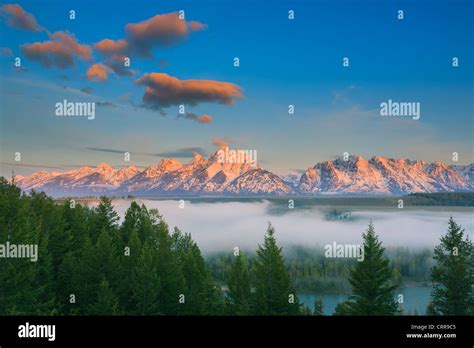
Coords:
223,226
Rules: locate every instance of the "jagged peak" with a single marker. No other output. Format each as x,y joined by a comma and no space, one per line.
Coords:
197,160
437,165
197,156
103,166
168,164
225,155
440,164
81,169
356,160
356,175
129,169
149,167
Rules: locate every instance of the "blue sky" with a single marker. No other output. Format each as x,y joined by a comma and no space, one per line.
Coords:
282,62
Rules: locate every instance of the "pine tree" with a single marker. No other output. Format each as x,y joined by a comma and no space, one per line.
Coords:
129,251
239,287
60,238
453,274
76,219
106,303
273,294
430,310
168,268
318,306
17,275
69,281
372,280
105,260
128,259
138,219
304,310
343,308
44,281
105,218
145,283
201,296
78,276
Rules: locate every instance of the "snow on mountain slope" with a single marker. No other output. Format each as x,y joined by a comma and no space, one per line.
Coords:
466,171
381,176
150,177
215,175
293,178
356,176
259,182
84,180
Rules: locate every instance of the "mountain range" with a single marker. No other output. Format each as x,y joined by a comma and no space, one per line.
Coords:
354,176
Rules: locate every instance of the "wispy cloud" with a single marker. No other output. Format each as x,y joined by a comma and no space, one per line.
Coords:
200,119
106,104
98,149
87,90
19,164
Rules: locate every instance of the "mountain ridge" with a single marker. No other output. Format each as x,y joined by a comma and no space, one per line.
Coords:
353,176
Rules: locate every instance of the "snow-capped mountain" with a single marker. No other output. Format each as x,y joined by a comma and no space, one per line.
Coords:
198,176
377,176
81,181
150,177
293,178
380,175
259,182
466,171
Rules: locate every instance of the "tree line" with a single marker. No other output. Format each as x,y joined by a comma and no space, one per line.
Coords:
91,264
312,272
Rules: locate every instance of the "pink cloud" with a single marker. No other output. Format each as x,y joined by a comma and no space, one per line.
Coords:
59,52
216,141
110,47
18,18
201,119
194,25
162,30
98,72
204,118
163,90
